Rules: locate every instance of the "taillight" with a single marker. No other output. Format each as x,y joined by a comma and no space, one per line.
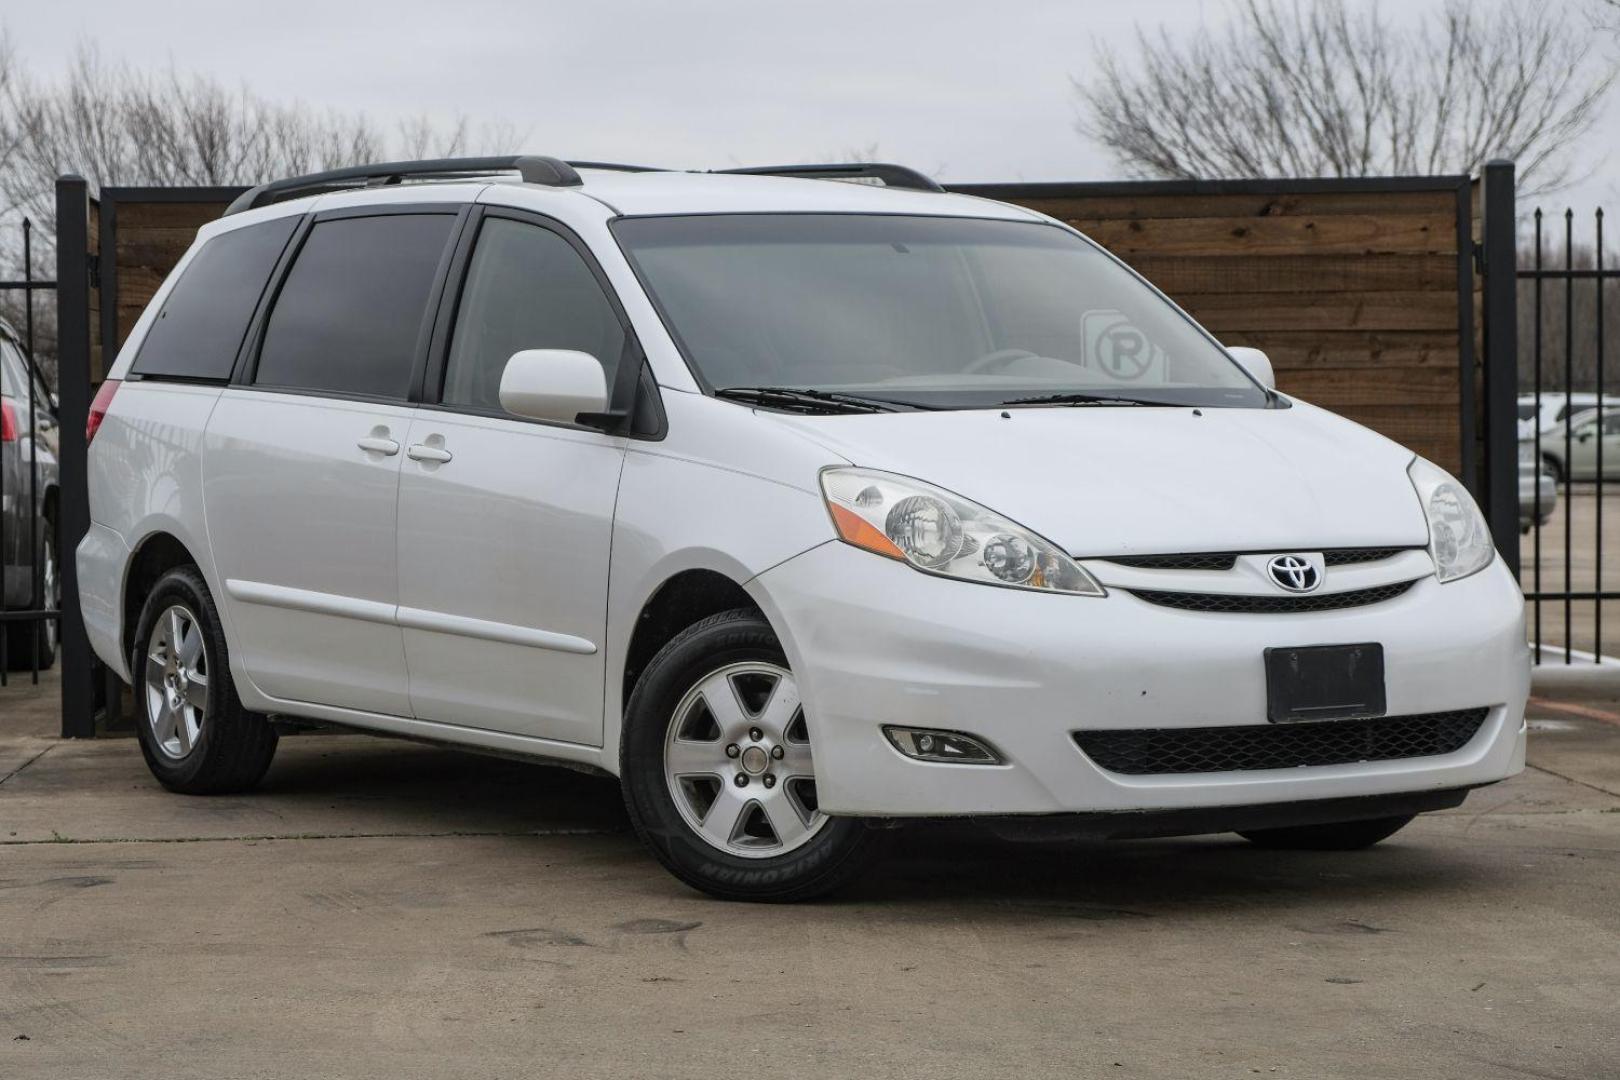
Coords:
98,409
8,422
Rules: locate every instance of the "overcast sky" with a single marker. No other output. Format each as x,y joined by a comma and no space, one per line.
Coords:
970,91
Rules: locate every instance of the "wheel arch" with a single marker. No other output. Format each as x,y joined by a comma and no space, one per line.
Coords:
155,555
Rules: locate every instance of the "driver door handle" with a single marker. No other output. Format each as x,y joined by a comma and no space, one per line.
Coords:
424,452
376,444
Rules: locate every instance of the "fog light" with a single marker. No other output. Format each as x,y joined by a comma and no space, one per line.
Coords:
953,746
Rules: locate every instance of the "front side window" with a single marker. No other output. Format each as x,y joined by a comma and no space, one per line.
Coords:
527,288
349,314
197,333
932,312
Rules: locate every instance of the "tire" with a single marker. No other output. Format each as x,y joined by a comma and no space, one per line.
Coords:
770,841
23,638
218,748
1554,467
1339,836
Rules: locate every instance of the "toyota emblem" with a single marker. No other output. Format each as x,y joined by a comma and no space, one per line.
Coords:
1294,573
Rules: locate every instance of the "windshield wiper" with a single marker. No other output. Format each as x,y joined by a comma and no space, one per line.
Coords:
1086,399
803,400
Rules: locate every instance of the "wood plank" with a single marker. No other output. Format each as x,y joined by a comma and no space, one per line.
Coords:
1365,310
1349,234
1339,389
167,215
1295,273
1144,207
1351,348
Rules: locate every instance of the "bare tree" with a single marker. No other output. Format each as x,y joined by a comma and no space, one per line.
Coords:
116,124
1315,88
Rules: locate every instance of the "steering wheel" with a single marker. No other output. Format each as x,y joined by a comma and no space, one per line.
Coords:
996,360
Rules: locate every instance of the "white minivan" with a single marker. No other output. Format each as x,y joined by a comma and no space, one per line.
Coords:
802,507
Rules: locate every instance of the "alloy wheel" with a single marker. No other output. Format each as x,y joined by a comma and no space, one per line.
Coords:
176,682
737,762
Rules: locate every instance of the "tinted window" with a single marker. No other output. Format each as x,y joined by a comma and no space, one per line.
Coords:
527,288
349,313
200,328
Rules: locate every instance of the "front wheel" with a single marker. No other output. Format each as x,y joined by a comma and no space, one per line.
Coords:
1339,836
718,774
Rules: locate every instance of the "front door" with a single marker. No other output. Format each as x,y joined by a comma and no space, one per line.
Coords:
504,523
302,465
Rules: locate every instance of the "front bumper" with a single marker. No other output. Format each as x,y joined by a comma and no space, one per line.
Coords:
874,642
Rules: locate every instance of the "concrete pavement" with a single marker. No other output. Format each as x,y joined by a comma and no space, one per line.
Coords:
384,909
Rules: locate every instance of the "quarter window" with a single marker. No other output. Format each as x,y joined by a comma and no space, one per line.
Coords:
349,314
199,330
527,288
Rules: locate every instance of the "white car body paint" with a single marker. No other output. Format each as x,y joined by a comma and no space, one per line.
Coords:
490,600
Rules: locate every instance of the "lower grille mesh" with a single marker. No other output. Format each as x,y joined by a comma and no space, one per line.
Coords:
1160,751
1266,605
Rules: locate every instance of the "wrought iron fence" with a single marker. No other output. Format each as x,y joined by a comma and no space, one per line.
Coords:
29,483
1569,435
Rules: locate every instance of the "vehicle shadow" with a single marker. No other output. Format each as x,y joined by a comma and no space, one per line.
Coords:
926,862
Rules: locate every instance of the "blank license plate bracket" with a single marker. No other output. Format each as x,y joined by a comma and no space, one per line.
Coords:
1324,682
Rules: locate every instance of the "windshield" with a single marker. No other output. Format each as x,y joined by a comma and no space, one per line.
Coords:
930,312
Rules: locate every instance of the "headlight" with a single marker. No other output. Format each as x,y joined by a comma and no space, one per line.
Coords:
941,533
1459,539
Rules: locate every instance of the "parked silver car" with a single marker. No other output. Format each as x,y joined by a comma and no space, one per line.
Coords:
1593,443
1535,508
28,566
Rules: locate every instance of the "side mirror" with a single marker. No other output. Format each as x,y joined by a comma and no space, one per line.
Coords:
1256,363
1584,435
553,384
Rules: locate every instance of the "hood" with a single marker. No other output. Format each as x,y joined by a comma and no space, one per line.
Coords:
1143,480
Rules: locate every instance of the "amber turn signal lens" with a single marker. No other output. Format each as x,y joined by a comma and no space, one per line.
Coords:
855,530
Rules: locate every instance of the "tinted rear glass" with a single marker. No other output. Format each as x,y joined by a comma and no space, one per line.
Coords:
348,316
200,328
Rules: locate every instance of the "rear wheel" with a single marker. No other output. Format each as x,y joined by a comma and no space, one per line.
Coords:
194,733
34,643
1339,836
718,774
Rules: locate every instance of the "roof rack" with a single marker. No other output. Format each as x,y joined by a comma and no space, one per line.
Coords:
895,176
534,169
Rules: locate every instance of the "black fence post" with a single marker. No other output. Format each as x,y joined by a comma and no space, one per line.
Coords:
73,269
1501,325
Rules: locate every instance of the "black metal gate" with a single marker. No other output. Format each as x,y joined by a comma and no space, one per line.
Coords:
1569,423
28,486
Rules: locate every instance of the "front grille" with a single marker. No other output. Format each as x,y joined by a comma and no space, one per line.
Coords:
1218,560
1346,556
1233,603
1195,561
1161,751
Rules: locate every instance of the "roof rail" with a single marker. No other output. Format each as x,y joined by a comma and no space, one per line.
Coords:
533,168
895,176
615,166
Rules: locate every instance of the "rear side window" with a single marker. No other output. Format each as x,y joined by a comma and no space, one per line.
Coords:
199,330
349,313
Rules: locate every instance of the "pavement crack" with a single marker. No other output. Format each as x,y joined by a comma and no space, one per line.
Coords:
30,761
1573,780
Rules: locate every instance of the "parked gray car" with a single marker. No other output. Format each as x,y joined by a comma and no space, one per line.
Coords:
1535,509
28,556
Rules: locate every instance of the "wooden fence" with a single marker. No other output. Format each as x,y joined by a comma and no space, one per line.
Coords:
1361,291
